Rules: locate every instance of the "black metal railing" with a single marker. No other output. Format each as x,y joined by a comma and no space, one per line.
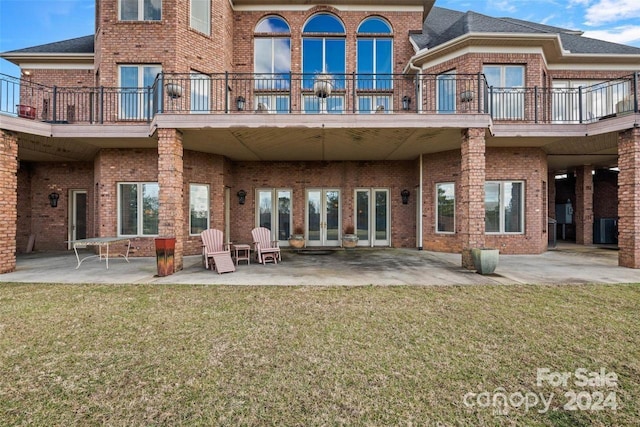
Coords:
290,93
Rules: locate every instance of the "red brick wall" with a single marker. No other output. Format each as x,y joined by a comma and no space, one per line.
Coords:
528,165
605,194
9,197
50,226
628,190
346,176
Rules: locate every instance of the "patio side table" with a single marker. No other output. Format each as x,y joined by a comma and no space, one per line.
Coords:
242,252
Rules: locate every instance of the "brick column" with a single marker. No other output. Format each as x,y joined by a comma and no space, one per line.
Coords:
629,198
170,181
471,197
584,205
8,200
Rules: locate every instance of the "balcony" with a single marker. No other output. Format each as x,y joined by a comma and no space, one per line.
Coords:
317,94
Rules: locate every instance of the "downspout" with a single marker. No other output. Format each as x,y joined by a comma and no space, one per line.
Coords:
419,210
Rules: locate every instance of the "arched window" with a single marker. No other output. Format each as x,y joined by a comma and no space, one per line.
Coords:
272,64
375,64
323,52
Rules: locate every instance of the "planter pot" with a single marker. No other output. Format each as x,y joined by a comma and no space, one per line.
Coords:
349,241
26,112
296,241
485,260
174,90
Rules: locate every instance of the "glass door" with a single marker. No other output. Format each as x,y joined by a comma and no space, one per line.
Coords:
372,217
323,217
273,211
77,215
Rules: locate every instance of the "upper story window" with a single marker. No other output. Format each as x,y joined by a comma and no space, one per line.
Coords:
272,64
507,82
375,54
323,53
135,81
201,16
140,10
504,207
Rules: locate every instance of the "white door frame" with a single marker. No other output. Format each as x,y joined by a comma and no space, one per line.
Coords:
324,236
73,213
371,220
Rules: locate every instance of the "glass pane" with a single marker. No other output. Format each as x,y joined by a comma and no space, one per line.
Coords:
281,55
383,56
324,23
152,10
81,215
333,215
284,214
335,61
365,61
313,215
150,202
199,208
311,60
262,53
129,10
335,104
446,207
374,26
128,210
272,24
200,85
513,207
362,215
446,94
129,96
264,209
200,17
492,74
514,76
492,207
381,215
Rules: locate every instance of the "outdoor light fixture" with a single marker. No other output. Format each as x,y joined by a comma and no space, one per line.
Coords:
240,101
241,196
406,101
53,199
405,196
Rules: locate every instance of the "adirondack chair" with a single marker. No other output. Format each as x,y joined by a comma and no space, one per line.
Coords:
215,253
265,248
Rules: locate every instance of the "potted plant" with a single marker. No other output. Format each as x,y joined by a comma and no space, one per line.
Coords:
349,238
485,260
296,240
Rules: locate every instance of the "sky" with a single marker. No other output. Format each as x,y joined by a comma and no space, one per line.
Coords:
26,23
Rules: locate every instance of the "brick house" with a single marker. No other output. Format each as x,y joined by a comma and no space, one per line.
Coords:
416,125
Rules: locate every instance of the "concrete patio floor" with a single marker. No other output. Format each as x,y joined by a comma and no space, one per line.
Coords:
567,263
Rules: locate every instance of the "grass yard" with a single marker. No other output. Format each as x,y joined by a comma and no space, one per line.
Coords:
375,356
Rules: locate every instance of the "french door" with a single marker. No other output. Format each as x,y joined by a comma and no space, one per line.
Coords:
372,217
77,215
273,211
323,217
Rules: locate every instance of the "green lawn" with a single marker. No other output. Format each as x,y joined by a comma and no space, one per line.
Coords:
209,355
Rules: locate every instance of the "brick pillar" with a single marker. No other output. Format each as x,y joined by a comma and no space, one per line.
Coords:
584,205
629,198
472,193
170,181
9,198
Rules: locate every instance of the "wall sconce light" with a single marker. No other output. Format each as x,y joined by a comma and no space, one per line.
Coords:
405,196
241,196
406,102
240,103
53,199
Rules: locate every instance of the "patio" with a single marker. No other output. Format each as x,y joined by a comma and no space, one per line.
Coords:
568,263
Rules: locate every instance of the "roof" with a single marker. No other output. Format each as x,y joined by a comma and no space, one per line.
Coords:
79,45
443,25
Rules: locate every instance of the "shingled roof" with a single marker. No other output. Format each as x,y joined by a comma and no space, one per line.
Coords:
443,25
80,45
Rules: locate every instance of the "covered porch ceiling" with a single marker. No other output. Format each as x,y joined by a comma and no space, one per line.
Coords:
356,139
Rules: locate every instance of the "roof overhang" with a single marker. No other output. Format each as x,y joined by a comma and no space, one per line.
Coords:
26,60
549,44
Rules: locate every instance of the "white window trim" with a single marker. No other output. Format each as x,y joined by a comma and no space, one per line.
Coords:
502,208
139,219
437,209
191,185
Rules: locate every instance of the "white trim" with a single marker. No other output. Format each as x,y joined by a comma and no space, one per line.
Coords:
56,66
139,201
437,208
343,8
